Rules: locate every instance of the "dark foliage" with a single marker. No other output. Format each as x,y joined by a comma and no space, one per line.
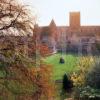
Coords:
67,84
93,77
62,61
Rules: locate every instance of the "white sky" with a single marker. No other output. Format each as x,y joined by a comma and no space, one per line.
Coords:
59,11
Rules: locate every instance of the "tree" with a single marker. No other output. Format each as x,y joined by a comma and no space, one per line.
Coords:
42,79
15,18
67,84
21,78
93,76
44,50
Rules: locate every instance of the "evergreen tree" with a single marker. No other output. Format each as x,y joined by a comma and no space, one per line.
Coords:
67,84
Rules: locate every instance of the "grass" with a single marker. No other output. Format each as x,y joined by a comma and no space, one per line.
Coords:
60,69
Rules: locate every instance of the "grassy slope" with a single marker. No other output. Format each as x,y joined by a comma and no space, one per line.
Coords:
60,69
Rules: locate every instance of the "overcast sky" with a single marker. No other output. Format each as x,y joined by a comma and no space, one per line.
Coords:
59,11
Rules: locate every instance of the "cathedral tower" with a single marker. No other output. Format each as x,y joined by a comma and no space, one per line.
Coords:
74,19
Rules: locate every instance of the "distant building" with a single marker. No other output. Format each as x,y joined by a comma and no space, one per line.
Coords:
74,38
74,19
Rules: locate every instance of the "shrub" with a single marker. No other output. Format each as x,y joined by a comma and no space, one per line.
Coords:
84,65
67,84
87,93
98,46
93,76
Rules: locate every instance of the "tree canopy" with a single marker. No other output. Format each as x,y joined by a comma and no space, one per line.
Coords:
15,18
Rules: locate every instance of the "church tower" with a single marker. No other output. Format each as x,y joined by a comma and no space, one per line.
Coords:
74,20
53,29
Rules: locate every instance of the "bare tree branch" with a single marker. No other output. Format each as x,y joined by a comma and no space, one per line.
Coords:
14,15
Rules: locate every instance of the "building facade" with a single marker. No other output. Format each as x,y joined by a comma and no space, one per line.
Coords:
73,38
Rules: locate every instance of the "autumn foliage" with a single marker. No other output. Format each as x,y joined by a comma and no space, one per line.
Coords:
79,77
42,78
20,78
44,50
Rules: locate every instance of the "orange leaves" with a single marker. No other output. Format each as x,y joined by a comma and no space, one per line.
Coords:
38,77
41,76
45,80
44,50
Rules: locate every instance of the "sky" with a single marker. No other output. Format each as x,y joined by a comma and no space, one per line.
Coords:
58,10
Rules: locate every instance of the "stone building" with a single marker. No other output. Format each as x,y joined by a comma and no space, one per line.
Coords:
73,38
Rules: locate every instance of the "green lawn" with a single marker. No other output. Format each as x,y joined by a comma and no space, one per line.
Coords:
60,69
